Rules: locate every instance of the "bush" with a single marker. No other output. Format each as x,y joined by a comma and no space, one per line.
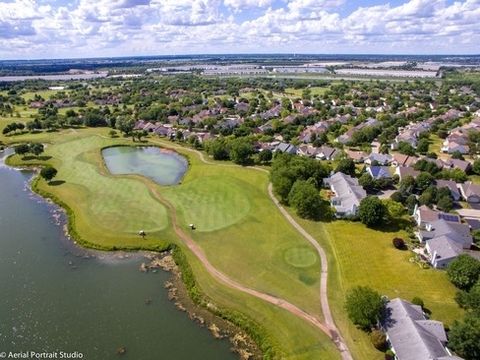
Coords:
378,339
398,243
418,301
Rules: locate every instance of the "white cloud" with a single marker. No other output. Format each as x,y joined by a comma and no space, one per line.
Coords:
124,27
246,4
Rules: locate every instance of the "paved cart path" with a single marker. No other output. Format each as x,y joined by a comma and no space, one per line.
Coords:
328,327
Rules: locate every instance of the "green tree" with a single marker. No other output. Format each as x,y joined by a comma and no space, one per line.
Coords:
265,156
422,146
464,271
304,197
476,166
405,148
346,166
48,173
470,300
22,149
36,148
366,181
445,203
372,211
125,125
464,338
364,307
218,149
423,181
241,151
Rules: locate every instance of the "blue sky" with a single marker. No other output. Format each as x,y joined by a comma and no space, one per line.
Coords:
88,28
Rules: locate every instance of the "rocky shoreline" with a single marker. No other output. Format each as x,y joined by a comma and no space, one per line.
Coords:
241,343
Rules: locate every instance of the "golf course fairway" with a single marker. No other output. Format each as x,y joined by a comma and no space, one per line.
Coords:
239,229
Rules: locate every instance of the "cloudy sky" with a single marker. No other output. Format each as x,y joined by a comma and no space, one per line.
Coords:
87,28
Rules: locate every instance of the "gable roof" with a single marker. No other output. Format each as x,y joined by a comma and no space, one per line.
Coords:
412,336
443,247
460,233
378,172
347,190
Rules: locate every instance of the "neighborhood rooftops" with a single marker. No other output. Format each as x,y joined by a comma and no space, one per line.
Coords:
411,335
348,193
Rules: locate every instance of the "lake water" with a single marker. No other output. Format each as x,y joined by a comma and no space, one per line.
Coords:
55,296
164,167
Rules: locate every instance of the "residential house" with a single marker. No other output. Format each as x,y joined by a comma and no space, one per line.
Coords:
379,172
356,156
347,194
457,164
403,160
445,240
379,159
286,148
442,250
470,192
424,216
347,137
327,153
405,171
307,150
458,232
411,335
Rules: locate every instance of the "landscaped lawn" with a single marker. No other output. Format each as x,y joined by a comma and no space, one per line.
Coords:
361,256
241,231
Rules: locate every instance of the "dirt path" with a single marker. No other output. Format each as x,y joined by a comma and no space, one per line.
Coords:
329,326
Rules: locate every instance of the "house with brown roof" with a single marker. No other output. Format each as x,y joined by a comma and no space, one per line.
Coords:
424,216
405,171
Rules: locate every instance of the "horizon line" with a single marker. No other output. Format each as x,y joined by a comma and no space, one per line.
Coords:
240,54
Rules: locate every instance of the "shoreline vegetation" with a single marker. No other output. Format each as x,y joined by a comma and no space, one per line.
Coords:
243,333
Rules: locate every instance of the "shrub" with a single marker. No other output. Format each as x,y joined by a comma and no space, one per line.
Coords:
418,301
389,355
378,339
398,243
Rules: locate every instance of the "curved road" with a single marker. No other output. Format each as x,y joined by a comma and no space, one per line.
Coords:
329,326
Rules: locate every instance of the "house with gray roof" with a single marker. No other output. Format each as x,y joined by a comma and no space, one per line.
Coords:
379,172
380,159
411,335
442,251
445,240
327,153
286,148
347,194
470,192
458,232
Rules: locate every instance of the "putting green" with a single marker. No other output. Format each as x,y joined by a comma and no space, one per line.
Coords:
210,202
300,257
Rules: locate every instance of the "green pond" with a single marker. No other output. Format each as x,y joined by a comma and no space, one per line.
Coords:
163,166
58,297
